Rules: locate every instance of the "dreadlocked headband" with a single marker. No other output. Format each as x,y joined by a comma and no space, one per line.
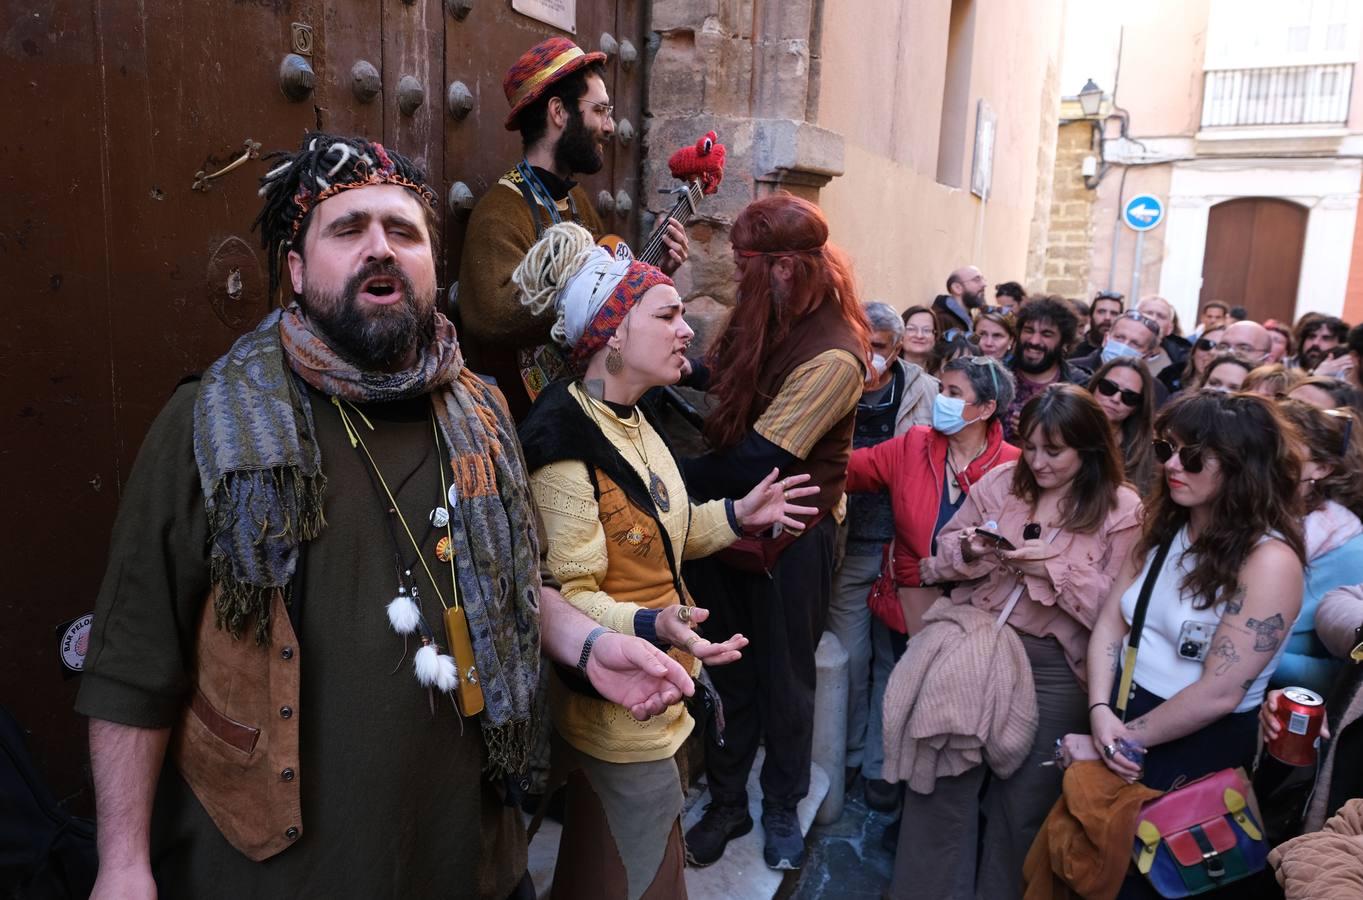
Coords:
324,166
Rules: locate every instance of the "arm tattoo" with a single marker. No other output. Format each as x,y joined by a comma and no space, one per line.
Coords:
1247,684
1236,601
1268,634
1225,649
1114,653
1138,725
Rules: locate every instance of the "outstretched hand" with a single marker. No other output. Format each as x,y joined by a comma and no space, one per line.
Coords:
677,632
769,503
637,675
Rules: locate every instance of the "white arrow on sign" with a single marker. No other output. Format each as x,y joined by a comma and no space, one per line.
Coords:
1143,212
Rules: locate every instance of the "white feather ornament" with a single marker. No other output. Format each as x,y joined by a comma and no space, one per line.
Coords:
447,678
427,665
403,613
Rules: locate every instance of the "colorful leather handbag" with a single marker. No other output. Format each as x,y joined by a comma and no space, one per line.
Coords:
1200,837
1206,834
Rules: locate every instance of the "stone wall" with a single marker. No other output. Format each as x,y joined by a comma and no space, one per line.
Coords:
1068,245
748,70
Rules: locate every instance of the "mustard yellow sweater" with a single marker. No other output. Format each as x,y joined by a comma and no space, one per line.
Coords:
578,549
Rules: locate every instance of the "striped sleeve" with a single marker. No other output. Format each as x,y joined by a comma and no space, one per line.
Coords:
814,397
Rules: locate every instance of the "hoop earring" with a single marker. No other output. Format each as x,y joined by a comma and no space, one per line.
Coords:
615,363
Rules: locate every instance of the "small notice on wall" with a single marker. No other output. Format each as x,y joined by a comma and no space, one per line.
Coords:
558,13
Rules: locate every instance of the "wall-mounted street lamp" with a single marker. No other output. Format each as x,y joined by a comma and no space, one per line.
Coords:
1090,99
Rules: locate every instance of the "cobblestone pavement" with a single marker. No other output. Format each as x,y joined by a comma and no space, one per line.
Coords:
846,860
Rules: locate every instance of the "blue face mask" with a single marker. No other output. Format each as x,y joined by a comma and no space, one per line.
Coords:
1117,350
948,414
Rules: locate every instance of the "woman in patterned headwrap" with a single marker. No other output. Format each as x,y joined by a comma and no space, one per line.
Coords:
617,524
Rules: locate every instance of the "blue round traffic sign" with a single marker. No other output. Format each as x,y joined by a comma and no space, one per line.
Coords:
1143,212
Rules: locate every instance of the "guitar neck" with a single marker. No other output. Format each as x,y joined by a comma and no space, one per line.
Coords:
685,207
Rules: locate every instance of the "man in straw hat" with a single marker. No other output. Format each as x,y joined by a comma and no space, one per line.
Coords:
560,105
338,488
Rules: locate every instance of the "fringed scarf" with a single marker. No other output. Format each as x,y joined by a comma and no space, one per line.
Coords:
261,473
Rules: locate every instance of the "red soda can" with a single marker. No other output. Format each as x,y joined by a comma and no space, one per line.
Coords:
1301,713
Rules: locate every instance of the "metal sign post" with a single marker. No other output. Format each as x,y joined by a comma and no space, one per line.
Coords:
1141,213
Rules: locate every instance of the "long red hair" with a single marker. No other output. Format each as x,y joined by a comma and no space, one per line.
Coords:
772,228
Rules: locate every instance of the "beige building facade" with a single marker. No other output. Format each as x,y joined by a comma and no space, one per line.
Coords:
886,112
1241,117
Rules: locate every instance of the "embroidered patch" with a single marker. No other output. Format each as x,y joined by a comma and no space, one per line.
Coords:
635,535
73,642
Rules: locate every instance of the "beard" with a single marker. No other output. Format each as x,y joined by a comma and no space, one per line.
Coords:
1312,357
577,150
973,301
375,339
1048,359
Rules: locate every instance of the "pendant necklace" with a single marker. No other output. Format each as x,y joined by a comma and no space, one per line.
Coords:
455,672
657,488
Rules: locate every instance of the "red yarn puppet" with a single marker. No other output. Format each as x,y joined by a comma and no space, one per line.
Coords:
703,162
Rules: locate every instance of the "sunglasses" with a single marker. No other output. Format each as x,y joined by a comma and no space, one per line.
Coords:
1109,388
1204,344
1190,457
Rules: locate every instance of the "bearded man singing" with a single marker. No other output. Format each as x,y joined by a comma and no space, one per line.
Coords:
337,490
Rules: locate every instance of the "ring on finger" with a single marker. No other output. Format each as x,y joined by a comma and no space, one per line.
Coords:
684,613
1110,750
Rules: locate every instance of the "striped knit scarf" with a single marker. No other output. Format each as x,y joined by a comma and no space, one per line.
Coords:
260,469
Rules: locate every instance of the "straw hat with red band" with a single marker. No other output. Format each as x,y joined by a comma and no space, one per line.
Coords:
539,67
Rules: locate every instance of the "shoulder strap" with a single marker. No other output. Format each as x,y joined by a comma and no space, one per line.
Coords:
1133,640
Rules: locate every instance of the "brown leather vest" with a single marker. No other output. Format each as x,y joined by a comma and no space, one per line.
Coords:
817,332
236,743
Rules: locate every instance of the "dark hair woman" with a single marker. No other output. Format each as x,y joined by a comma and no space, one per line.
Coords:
1187,376
617,521
1326,393
789,370
1225,373
1223,602
1125,390
1066,509
920,336
1331,489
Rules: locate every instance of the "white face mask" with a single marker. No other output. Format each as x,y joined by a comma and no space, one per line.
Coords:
879,364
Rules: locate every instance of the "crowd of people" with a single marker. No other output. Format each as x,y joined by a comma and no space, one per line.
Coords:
990,506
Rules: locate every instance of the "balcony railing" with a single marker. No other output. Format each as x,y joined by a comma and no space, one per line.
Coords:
1284,95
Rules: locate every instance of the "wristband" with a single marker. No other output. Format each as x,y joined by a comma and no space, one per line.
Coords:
1096,705
587,648
732,516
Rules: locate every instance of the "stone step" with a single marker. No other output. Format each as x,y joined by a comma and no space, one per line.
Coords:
739,873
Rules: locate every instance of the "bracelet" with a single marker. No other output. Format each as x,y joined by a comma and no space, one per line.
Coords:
1096,705
587,648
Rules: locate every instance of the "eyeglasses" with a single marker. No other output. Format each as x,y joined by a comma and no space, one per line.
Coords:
607,109
1109,295
1348,426
1190,457
1108,388
1244,349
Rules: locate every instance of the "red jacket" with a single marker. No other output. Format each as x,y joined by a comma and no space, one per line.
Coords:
911,467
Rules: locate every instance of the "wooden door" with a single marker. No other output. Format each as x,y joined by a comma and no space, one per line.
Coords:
478,149
127,270
1253,256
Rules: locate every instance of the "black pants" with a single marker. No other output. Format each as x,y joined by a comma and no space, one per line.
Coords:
769,693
